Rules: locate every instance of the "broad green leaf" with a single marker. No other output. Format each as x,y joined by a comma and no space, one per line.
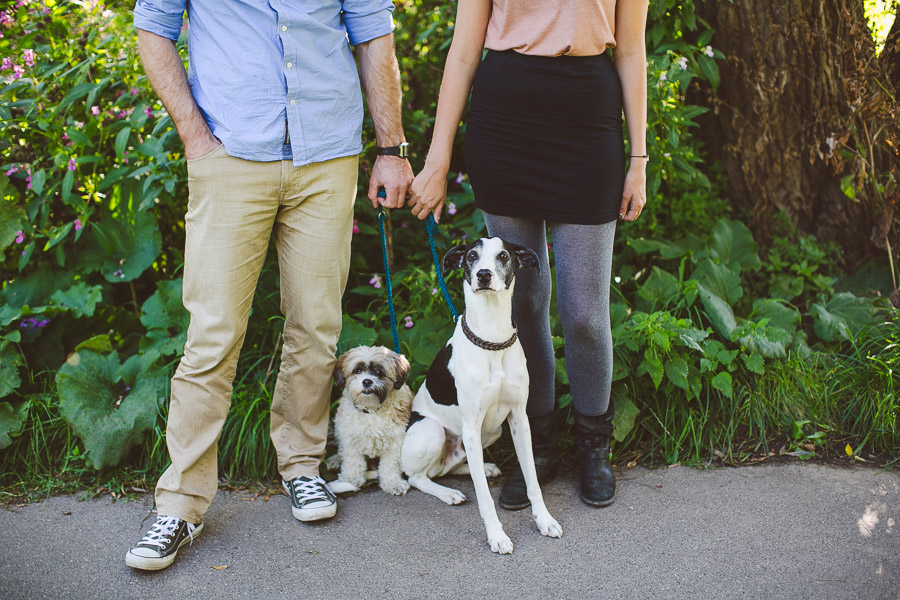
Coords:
677,372
842,316
562,376
166,320
722,382
122,142
132,243
38,178
719,312
665,249
779,315
618,312
100,344
719,279
733,244
754,363
109,417
13,416
10,361
81,299
659,289
786,287
623,418
354,334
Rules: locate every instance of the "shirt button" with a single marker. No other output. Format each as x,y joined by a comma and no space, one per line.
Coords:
284,27
293,102
289,65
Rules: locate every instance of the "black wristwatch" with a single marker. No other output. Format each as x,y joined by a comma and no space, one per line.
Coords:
401,151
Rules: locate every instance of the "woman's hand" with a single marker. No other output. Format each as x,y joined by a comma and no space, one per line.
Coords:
634,194
428,192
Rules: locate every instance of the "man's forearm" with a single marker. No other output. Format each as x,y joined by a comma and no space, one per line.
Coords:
169,80
380,77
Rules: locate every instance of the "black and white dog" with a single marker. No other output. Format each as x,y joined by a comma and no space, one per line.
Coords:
476,381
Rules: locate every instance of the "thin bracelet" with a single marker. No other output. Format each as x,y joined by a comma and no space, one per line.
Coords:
639,156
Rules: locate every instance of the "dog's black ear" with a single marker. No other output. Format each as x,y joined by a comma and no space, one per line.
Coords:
526,258
454,258
401,371
339,373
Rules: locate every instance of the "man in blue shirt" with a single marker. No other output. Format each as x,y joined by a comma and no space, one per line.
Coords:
270,113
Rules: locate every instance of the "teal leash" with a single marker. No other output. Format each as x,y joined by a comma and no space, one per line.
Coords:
431,227
382,215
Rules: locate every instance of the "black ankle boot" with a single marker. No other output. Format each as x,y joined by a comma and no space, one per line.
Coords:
514,495
598,484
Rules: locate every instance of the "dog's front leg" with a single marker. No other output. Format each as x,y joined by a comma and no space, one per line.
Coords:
521,435
353,468
390,475
497,538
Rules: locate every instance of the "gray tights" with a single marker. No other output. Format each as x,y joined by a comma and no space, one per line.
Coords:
583,257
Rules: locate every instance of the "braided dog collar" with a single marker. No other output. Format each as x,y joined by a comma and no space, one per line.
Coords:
483,343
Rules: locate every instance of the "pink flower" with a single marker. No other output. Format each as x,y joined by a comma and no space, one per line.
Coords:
122,114
20,236
459,177
12,169
408,322
5,19
118,273
71,165
95,110
7,64
126,157
682,62
79,124
18,71
709,51
28,56
433,291
28,181
46,10
375,282
149,112
78,225
355,226
451,209
134,91
66,140
663,76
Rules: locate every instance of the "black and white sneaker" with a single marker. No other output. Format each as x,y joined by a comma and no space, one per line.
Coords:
157,549
311,498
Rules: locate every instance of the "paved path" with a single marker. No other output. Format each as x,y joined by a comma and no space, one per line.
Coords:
789,531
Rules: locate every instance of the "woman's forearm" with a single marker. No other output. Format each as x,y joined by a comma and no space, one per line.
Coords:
630,56
459,71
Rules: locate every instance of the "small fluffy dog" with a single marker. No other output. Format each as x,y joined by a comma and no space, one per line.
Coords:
371,418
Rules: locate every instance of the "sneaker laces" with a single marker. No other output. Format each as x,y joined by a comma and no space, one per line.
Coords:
160,532
314,489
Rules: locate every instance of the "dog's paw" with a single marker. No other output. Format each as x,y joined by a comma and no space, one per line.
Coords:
342,487
501,544
396,487
548,526
333,462
453,497
491,470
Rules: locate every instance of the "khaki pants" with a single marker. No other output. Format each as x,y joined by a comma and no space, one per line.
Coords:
234,206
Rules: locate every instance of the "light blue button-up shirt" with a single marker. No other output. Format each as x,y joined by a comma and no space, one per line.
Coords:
275,79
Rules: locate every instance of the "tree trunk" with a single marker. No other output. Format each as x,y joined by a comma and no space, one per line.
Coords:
805,105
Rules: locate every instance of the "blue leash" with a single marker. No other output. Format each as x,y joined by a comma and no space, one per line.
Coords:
430,227
382,215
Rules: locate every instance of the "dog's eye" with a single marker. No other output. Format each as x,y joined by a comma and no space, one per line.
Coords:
358,370
472,256
378,372
503,256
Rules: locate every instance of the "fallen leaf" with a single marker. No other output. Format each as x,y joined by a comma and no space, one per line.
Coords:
67,512
848,450
220,567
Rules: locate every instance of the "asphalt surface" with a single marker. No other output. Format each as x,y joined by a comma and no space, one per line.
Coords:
784,531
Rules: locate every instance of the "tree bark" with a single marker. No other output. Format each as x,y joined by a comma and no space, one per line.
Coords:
803,105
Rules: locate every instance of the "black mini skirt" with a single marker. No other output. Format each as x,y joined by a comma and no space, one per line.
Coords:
544,137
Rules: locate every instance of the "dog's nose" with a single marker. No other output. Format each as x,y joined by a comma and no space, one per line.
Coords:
367,383
483,275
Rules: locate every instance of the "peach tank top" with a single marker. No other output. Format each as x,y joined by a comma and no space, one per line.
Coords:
552,27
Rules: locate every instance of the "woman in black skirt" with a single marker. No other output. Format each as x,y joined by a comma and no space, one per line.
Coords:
543,147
